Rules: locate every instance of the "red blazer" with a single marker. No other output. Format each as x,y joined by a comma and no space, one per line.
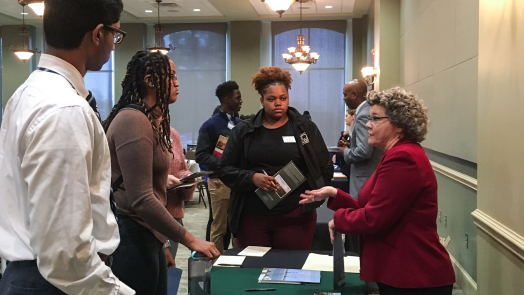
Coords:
396,215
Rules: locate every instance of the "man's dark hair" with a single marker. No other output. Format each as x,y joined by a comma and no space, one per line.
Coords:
67,21
142,64
225,89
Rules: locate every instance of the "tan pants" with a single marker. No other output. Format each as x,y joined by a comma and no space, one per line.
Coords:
219,194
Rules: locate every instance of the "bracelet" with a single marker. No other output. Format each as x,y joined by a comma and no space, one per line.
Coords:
167,244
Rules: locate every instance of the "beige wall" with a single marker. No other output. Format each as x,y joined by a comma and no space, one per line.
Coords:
14,71
245,61
135,41
439,49
387,43
501,163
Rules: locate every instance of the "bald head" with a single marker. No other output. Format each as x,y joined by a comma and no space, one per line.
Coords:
354,93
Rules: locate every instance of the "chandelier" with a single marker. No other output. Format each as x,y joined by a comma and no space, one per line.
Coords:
280,6
159,40
24,53
36,5
300,57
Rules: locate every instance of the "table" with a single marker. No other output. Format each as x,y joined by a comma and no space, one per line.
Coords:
226,280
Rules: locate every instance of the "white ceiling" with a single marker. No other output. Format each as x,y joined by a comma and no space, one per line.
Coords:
173,11
309,7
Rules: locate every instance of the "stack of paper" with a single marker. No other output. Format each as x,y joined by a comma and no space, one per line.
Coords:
325,263
254,251
229,261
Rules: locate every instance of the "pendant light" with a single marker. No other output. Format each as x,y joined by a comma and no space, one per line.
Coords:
159,40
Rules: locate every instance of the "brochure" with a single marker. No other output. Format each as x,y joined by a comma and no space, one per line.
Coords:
287,180
289,276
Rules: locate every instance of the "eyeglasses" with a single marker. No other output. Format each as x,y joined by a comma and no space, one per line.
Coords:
375,120
118,34
173,77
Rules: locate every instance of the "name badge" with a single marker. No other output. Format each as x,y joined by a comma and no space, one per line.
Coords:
230,125
289,139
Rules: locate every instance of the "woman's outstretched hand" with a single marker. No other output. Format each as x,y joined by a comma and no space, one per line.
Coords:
318,195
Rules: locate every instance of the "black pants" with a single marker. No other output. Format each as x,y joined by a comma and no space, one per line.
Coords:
23,278
140,261
388,290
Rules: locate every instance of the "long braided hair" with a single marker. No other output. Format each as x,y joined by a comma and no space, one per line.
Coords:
142,64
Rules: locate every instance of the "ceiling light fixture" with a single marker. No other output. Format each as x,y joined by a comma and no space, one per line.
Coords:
36,5
300,57
149,11
196,9
329,7
280,6
159,40
24,53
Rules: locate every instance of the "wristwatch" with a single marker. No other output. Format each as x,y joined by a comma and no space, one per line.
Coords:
167,244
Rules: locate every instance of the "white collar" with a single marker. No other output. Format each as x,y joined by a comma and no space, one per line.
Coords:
67,70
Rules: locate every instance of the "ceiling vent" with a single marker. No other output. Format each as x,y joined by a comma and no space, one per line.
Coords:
169,5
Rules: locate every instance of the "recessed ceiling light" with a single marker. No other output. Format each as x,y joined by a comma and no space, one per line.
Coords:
328,7
24,13
196,9
149,11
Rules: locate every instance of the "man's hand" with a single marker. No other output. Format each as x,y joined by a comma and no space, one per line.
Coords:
169,258
264,182
341,150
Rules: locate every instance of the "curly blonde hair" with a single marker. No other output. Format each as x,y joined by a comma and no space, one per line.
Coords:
267,76
404,110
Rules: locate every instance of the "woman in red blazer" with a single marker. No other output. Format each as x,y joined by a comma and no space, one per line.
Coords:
396,210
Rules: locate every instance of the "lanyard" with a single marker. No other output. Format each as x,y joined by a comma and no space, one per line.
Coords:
90,98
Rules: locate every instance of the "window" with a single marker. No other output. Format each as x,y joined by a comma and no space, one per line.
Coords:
200,61
319,88
101,84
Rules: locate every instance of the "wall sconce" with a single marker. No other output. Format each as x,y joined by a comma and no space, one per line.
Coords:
369,74
36,5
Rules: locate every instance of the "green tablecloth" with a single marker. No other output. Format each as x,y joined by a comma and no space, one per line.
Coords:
230,281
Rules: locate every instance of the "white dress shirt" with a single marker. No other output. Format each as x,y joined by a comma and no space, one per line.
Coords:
54,183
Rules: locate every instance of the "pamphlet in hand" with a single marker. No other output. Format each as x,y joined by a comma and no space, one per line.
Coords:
195,175
289,276
220,146
287,180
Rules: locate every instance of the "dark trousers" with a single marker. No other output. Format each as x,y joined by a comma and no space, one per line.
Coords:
293,230
23,278
140,260
388,290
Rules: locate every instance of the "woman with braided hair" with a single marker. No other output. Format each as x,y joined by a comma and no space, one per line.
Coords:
138,134
267,142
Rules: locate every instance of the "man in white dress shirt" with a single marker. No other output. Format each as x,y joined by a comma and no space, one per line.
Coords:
56,226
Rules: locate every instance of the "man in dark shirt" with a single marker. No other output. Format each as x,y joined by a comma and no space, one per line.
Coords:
208,154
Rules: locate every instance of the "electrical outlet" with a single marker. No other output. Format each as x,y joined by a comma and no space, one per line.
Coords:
445,221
